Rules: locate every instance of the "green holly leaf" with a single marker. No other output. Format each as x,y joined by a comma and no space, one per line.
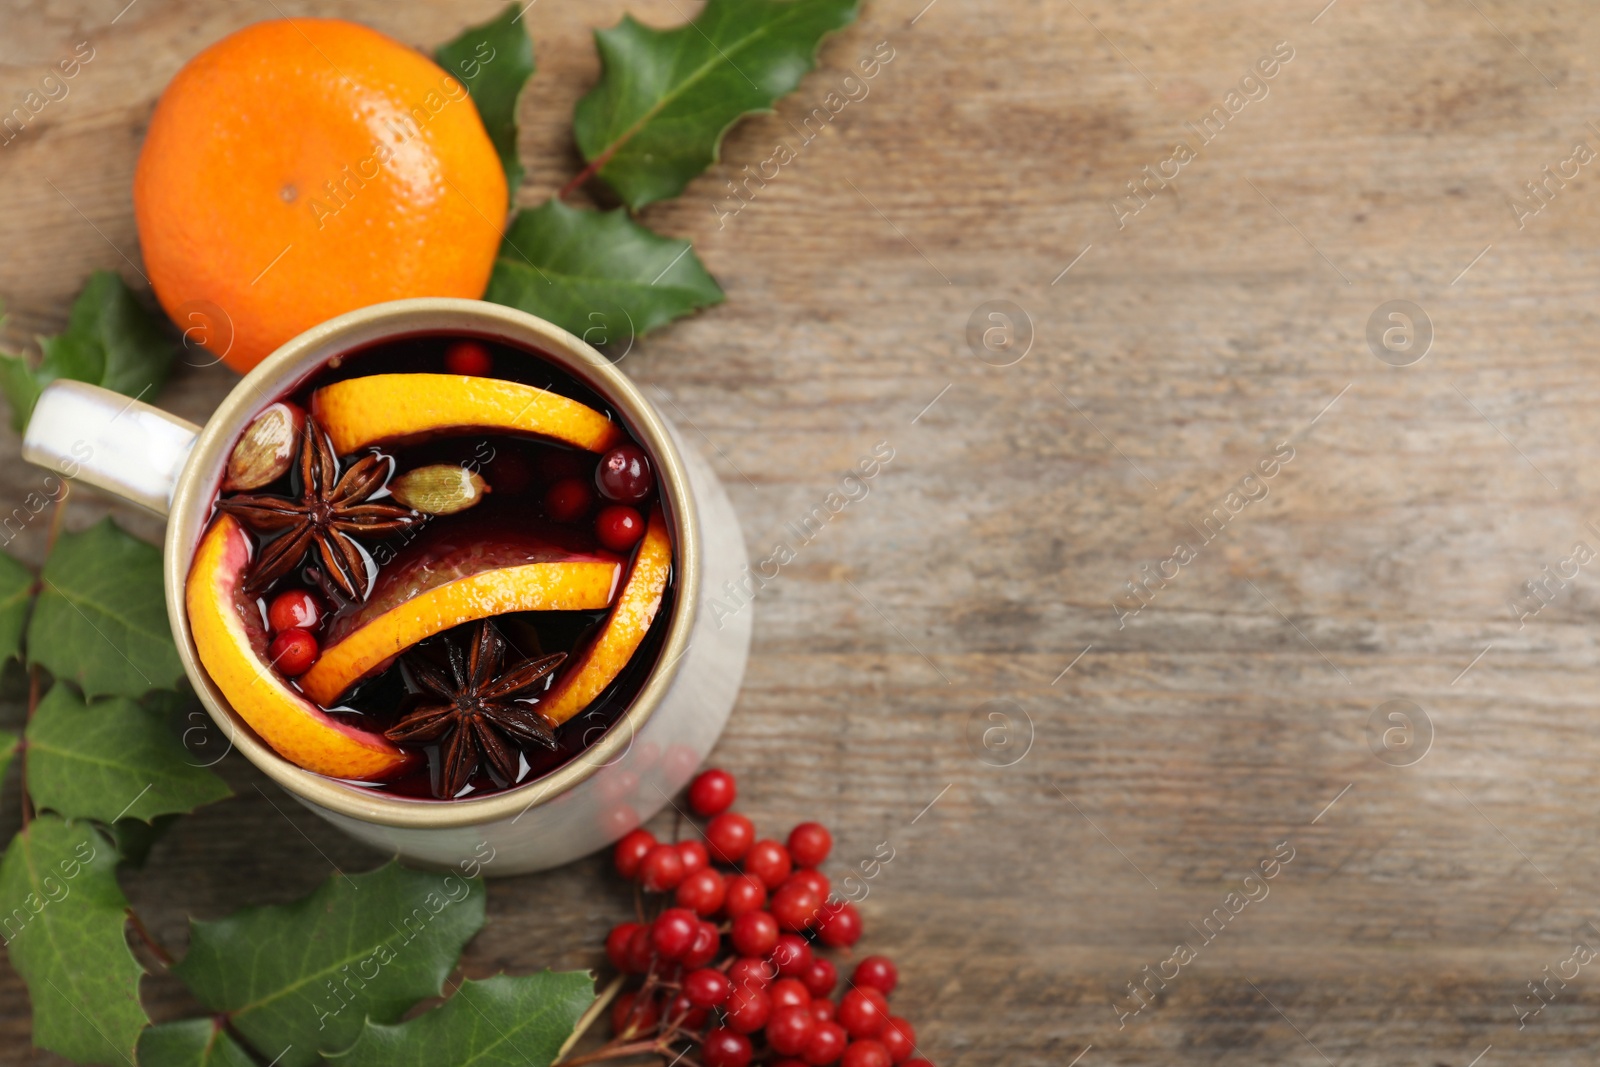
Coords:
110,340
62,917
494,61
111,760
101,617
298,979
16,597
498,1022
8,748
597,274
191,1043
666,97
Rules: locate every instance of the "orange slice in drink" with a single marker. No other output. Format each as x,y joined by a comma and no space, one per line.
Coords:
387,407
232,641
448,579
583,680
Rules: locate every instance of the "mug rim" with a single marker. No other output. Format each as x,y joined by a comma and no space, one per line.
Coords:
274,375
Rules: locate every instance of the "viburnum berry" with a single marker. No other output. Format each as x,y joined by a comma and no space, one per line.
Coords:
702,892
672,934
661,869
630,1015
792,955
788,993
630,850
863,1013
840,925
789,1030
877,972
741,894
768,861
865,1054
748,971
707,987
639,950
294,609
712,792
617,944
796,907
820,977
706,944
809,844
823,1009
899,1039
729,836
694,856
725,1048
827,1044
816,881
755,933
747,1009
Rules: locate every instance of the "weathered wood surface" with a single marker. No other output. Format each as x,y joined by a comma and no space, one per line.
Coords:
1177,352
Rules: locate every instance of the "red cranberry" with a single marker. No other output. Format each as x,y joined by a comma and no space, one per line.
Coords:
768,861
631,1015
863,1012
672,934
743,894
823,1010
468,357
707,942
707,987
792,955
624,475
293,652
294,610
788,993
630,850
748,971
820,977
568,500
702,892
809,844
796,907
747,1009
898,1039
827,1044
617,944
840,926
712,792
755,933
877,972
694,855
618,527
789,1030
661,869
865,1054
725,1048
816,880
729,836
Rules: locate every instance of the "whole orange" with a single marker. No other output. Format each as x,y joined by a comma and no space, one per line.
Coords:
302,168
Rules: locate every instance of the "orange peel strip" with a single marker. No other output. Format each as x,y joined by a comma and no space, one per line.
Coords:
560,586
624,628
231,645
383,407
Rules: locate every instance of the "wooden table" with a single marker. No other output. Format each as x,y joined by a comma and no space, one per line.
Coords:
1151,759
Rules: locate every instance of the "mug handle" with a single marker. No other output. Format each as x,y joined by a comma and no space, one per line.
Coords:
111,441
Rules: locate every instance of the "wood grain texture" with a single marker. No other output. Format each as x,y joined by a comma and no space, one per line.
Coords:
1181,348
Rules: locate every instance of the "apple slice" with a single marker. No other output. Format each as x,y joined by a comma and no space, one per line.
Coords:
583,680
446,579
232,641
388,407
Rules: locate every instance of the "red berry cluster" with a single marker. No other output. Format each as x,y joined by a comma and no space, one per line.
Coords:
733,965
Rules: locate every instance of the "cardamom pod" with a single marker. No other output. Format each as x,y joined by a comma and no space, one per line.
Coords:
266,448
442,489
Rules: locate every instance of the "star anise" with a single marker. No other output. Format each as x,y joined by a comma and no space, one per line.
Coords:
477,708
329,510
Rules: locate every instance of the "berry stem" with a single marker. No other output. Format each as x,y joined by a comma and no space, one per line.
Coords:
149,940
590,1014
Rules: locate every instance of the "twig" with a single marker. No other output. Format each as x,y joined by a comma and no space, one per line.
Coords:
593,1012
149,940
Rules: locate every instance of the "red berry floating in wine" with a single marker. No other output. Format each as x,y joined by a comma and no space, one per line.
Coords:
468,357
295,609
568,500
293,652
624,475
618,527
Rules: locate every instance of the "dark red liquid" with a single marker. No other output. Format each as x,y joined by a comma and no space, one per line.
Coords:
519,470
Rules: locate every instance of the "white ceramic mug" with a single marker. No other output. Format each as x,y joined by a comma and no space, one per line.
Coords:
172,467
